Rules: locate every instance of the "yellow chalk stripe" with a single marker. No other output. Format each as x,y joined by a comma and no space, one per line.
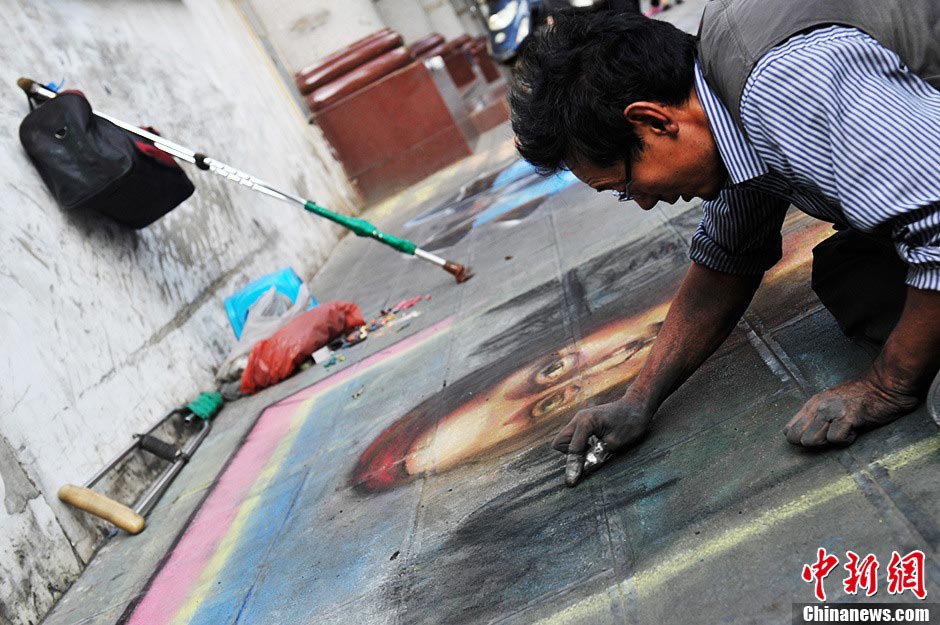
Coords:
648,580
675,564
593,609
910,453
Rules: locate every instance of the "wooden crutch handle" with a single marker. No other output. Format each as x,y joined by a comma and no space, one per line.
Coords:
103,507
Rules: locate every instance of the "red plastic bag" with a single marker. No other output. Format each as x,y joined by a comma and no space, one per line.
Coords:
276,357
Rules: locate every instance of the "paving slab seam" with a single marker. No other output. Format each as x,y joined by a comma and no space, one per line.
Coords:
669,222
573,299
757,334
795,320
406,562
875,483
917,517
875,493
572,324
620,563
672,565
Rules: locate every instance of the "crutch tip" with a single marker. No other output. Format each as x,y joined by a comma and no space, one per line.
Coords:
460,272
26,84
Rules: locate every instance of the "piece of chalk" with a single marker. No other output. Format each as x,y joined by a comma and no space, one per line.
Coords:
573,466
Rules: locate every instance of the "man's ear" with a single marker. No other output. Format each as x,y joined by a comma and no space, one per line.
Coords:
651,117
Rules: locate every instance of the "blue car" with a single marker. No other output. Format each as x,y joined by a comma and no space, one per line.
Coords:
508,22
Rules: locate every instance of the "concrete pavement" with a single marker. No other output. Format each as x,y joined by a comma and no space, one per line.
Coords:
414,482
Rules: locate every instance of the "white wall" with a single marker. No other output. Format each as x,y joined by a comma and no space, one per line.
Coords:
416,18
406,17
102,329
304,31
469,20
443,18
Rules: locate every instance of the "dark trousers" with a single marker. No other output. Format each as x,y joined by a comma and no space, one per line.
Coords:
859,278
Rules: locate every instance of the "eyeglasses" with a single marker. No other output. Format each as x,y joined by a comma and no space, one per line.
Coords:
625,195
622,196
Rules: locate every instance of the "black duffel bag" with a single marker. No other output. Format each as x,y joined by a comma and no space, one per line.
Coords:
90,164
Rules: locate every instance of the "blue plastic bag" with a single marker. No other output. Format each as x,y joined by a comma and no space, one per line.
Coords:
286,281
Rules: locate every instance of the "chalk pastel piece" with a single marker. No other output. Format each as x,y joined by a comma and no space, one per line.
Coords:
574,464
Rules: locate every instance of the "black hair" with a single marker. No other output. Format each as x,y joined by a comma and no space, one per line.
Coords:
574,78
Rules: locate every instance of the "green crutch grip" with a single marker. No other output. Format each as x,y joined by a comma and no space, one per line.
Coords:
207,405
363,228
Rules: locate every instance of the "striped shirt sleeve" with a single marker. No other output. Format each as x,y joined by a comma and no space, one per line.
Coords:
739,232
842,116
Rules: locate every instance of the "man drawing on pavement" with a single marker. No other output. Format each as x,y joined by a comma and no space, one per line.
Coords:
831,106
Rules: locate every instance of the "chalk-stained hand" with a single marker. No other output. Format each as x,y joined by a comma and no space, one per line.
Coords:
837,415
594,434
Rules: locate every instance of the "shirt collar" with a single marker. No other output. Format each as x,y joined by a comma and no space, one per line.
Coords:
738,155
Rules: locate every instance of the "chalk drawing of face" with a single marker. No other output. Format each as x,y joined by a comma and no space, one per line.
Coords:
500,409
532,399
540,391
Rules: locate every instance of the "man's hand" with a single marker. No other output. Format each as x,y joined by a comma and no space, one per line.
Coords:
836,416
894,385
703,313
611,427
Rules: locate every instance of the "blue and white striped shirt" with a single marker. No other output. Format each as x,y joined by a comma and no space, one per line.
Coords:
839,127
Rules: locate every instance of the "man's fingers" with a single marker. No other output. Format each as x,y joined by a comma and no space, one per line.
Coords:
577,447
579,438
811,426
574,465
815,434
563,439
841,432
797,425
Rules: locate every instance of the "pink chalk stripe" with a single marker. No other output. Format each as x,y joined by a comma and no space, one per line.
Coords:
181,570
